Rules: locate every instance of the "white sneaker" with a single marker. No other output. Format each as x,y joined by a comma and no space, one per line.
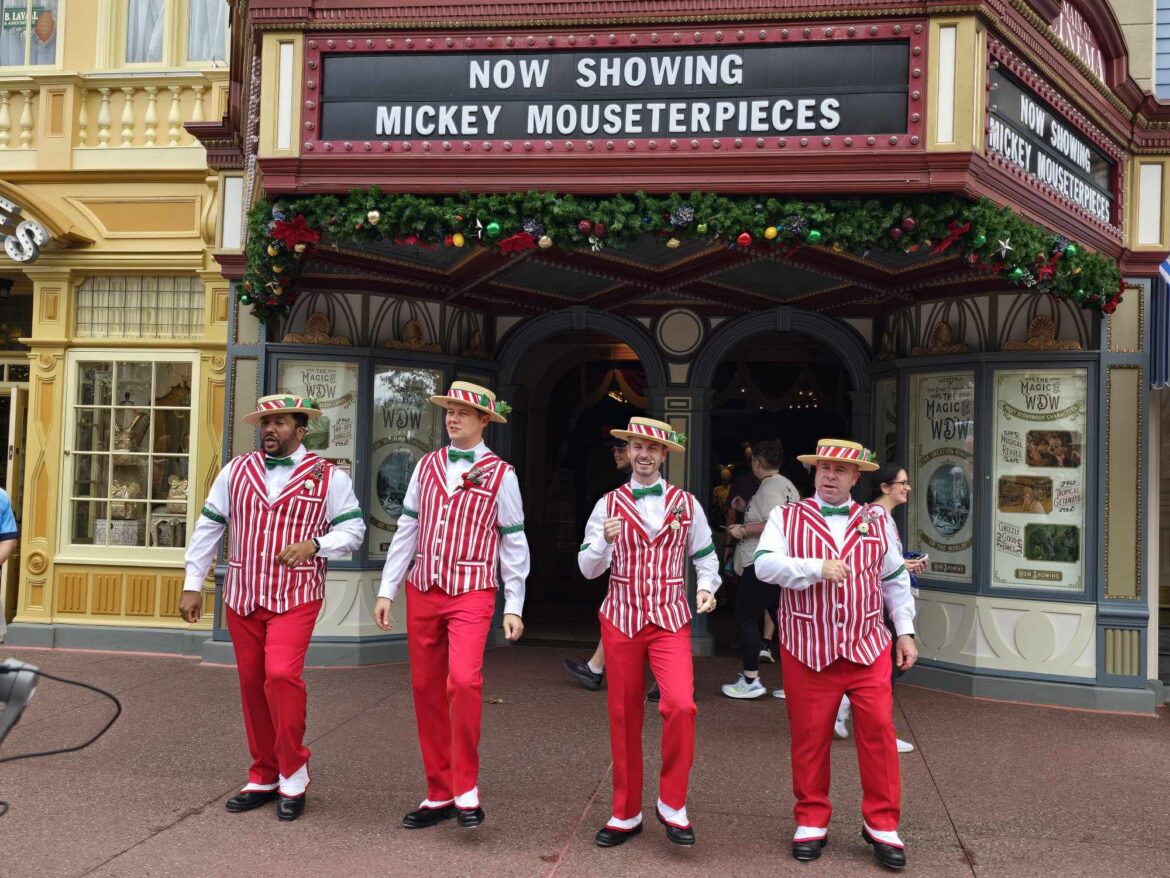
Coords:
777,693
905,746
744,688
766,654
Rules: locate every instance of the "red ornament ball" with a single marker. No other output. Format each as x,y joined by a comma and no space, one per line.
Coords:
599,230
909,224
585,227
744,239
895,234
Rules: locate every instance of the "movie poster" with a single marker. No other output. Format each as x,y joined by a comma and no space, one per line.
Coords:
406,425
333,386
1039,523
941,467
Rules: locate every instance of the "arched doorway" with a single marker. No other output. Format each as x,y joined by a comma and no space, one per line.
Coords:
785,374
573,376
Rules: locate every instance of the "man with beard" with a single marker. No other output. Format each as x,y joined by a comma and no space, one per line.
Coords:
290,511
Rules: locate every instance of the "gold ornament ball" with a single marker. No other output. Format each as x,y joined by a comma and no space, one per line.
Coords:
458,240
771,232
673,243
273,250
300,248
374,217
277,290
276,269
545,242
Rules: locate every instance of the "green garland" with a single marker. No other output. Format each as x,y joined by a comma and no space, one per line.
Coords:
988,237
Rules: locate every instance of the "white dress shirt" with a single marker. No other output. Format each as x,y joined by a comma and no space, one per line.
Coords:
774,563
514,560
342,539
595,558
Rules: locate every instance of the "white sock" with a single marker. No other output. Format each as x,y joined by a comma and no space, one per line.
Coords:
595,670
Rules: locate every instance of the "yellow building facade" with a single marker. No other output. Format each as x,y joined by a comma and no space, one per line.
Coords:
116,317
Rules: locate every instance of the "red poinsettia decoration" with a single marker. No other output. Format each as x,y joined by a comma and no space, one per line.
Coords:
295,232
517,242
473,478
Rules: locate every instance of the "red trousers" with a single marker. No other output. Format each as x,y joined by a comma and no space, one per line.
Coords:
446,637
625,665
813,698
270,656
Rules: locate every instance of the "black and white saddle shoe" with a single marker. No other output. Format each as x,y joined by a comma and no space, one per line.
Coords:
424,817
889,855
808,849
609,837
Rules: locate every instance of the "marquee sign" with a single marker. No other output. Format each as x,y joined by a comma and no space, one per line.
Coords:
828,87
1027,132
23,239
1071,29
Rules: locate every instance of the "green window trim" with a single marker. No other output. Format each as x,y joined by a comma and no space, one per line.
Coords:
346,516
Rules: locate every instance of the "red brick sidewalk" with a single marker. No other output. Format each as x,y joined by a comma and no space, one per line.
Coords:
993,790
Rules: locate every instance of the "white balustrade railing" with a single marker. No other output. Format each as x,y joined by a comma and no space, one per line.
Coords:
17,115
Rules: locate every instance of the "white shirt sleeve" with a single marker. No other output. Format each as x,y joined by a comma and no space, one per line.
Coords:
595,553
514,558
896,594
701,550
773,562
208,531
402,545
347,526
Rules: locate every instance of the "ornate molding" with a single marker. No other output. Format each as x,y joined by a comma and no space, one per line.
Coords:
940,341
317,331
413,338
1042,337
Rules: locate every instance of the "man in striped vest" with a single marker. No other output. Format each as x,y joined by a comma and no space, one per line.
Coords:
643,533
837,570
290,511
462,518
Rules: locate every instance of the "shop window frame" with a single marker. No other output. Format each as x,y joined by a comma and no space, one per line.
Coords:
25,66
369,361
176,27
985,366
137,556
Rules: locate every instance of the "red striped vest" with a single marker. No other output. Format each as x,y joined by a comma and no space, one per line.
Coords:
647,584
825,622
458,548
260,530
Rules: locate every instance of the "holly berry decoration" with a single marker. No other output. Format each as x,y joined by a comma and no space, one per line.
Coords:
909,224
744,239
585,227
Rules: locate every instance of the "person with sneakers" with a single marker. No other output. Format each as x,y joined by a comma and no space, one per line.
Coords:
837,568
591,673
754,597
643,532
462,519
290,511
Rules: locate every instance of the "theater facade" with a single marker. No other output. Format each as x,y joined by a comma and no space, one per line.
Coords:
930,227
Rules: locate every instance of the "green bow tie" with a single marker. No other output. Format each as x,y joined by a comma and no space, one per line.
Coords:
274,462
834,510
654,490
454,454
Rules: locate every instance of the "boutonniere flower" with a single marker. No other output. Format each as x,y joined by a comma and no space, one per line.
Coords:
472,478
676,515
868,521
315,475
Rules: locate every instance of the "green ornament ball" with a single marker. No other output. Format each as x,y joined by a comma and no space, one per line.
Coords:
813,237
979,240
701,228
1071,250
245,299
493,230
1017,274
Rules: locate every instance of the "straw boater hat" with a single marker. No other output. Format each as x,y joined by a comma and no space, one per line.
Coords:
842,450
656,431
466,393
282,404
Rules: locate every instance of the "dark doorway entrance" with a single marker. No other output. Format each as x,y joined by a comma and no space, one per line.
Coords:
777,385
578,387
